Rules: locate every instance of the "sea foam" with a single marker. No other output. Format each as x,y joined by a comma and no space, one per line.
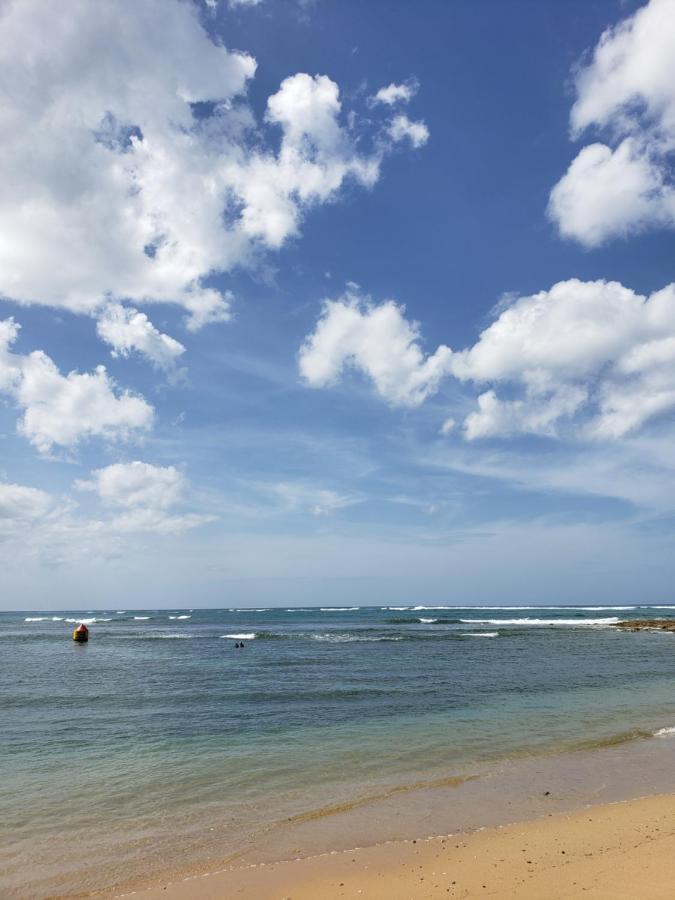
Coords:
247,636
339,608
665,732
609,620
481,634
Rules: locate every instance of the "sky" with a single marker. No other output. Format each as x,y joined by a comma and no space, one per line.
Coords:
306,301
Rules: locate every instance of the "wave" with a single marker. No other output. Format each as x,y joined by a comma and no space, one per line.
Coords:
419,608
180,617
139,618
557,608
326,637
610,620
87,621
661,607
415,620
353,638
249,609
481,634
665,732
339,608
45,619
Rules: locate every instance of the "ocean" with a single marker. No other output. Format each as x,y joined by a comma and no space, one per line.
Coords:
159,742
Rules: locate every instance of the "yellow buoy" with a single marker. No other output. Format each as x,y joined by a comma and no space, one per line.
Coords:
81,633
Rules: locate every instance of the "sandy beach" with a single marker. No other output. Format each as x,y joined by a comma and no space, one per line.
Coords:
619,850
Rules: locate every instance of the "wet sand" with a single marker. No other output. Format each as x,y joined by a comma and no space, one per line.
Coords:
621,850
562,826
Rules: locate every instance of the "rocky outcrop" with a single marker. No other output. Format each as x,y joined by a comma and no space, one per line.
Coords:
647,625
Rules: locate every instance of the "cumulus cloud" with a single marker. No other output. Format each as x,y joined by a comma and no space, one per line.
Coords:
588,359
593,354
21,507
127,330
628,91
142,497
396,93
130,500
402,128
61,409
316,156
377,340
134,169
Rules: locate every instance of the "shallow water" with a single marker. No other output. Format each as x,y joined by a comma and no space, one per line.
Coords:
159,741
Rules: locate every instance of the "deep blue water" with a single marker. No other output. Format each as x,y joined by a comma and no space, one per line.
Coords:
159,727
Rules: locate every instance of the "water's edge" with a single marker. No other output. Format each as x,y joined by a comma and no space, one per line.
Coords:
515,791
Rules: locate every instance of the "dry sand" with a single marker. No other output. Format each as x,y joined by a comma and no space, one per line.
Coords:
619,851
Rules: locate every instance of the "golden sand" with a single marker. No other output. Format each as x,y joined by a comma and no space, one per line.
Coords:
619,851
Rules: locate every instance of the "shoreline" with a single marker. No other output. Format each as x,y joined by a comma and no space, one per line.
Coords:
531,793
624,849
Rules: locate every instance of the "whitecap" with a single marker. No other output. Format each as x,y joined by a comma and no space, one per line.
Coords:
251,609
665,732
416,608
482,634
610,620
139,618
36,619
85,621
247,636
427,621
339,608
352,638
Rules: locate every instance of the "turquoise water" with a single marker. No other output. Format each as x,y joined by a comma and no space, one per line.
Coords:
159,741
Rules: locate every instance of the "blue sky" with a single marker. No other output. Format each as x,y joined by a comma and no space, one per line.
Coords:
382,291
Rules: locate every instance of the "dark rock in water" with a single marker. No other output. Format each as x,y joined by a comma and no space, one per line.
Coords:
647,625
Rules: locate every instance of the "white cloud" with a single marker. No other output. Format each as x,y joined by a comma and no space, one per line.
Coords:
130,500
142,497
128,330
609,193
234,3
21,507
65,409
533,415
133,168
595,348
401,128
308,498
377,340
396,93
628,89
315,158
111,185
588,359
